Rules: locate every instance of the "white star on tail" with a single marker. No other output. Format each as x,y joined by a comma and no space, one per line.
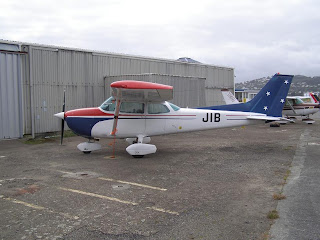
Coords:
282,100
265,108
286,82
268,93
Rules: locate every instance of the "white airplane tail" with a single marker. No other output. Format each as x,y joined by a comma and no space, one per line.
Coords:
228,97
314,98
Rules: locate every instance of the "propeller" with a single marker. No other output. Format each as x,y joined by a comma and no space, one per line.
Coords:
61,115
62,121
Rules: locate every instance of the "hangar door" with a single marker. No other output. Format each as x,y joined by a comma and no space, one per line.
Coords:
10,95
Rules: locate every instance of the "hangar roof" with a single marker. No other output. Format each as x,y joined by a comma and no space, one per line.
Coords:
186,60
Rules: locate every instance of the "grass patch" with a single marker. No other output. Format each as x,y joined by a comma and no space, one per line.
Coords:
273,214
34,141
46,138
68,133
279,196
265,236
287,175
288,148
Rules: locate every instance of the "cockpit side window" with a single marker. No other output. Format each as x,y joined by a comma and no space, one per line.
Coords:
157,108
132,107
109,105
298,101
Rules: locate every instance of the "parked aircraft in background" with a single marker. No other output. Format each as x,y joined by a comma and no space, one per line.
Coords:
301,106
311,98
228,97
294,106
138,110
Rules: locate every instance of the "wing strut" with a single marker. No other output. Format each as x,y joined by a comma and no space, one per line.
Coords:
116,115
292,108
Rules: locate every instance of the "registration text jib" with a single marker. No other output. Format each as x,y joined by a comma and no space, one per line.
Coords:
212,118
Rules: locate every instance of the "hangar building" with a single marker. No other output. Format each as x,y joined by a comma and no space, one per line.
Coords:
33,78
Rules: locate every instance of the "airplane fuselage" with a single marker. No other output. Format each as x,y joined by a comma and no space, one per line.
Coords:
98,123
301,110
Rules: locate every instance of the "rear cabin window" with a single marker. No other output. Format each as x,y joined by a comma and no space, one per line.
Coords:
132,107
157,108
306,100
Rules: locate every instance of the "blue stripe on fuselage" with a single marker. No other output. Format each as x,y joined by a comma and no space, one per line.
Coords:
83,125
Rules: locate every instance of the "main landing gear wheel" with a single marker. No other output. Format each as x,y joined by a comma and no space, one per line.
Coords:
138,156
86,152
308,120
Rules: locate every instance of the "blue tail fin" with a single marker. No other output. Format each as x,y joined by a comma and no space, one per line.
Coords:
269,100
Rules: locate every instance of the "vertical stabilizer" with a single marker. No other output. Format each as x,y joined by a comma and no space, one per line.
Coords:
270,99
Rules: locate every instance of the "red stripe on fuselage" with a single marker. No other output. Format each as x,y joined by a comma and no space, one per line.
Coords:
155,115
96,112
86,112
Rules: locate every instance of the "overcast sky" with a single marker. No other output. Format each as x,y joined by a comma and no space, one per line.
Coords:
257,38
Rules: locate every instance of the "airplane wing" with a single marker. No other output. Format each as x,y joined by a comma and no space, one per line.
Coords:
130,90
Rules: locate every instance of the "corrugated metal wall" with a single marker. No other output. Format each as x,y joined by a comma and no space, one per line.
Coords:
10,96
187,91
48,71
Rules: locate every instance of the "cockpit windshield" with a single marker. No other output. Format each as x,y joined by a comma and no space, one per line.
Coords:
174,107
109,104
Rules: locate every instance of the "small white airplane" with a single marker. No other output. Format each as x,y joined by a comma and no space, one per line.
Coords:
301,106
294,106
138,110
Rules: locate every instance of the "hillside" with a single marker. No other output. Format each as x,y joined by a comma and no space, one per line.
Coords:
300,84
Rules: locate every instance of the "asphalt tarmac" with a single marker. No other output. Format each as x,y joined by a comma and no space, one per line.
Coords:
300,211
216,184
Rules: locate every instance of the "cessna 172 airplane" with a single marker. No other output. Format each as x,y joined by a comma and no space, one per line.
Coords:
138,110
301,106
294,106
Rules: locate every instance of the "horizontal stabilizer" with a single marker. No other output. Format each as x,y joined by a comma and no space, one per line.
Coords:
287,119
265,118
268,118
